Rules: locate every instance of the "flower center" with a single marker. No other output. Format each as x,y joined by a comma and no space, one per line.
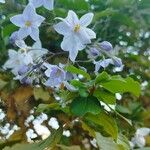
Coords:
77,28
28,23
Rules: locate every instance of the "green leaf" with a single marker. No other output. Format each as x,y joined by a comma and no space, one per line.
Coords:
123,141
119,85
86,127
82,105
107,122
123,109
75,70
50,107
104,76
2,84
74,147
82,89
50,142
107,143
105,96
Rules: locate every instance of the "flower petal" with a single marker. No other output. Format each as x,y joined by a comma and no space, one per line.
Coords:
24,32
91,33
34,34
36,3
69,44
49,4
29,12
83,36
86,19
62,28
72,18
18,20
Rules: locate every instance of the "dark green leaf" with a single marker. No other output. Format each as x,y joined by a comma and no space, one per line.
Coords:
80,106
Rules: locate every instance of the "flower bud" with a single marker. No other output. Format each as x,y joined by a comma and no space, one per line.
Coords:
105,45
117,62
26,80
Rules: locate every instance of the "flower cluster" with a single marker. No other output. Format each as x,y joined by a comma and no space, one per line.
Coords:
30,64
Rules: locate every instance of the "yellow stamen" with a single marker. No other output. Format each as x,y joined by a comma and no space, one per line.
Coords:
28,23
77,28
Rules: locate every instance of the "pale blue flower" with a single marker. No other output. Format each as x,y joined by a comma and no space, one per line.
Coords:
48,4
28,22
102,63
117,62
75,31
55,75
16,60
93,53
23,69
105,45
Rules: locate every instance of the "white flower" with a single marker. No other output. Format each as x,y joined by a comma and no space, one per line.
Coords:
143,131
48,4
66,133
53,123
75,31
16,60
139,138
30,135
28,22
42,130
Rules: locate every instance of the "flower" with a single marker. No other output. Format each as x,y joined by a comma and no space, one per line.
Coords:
16,60
28,22
75,31
48,4
117,62
93,53
2,1
139,138
105,45
102,63
55,75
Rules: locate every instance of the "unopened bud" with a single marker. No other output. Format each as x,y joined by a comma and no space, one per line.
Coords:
105,45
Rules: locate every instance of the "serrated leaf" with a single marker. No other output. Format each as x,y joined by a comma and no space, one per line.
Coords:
82,105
